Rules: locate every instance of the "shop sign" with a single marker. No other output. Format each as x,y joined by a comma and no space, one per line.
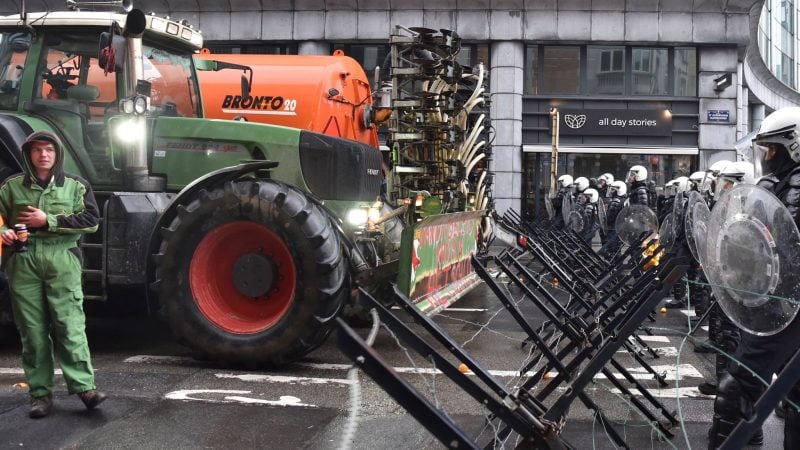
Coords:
610,122
719,115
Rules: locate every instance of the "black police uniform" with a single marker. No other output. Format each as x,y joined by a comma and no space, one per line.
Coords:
638,195
613,243
738,388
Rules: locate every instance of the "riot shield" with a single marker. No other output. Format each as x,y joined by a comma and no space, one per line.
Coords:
566,206
753,259
635,220
575,221
666,233
689,222
602,217
678,213
548,205
700,216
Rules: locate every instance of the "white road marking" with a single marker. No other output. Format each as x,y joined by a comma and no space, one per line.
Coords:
670,373
647,338
19,371
683,392
453,309
705,328
689,312
662,351
197,395
281,379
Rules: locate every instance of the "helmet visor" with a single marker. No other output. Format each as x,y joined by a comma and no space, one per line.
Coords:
724,184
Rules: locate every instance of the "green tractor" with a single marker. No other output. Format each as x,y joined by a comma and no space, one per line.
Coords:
236,231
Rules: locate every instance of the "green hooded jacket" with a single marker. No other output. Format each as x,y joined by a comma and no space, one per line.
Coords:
67,200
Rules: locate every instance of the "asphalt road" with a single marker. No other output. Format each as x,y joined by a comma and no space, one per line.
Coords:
162,398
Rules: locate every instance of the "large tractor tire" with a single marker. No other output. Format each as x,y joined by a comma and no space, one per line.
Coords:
251,274
7,329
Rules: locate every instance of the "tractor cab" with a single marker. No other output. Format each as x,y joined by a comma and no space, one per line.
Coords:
81,73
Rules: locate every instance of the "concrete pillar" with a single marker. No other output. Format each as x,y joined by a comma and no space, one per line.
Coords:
757,114
717,136
313,48
505,84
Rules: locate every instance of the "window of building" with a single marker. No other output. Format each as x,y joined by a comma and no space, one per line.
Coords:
252,48
650,74
611,70
563,70
684,72
532,70
605,70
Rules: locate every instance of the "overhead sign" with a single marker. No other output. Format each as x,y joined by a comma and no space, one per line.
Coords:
610,122
719,115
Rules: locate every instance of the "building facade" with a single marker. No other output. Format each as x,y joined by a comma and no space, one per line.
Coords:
671,85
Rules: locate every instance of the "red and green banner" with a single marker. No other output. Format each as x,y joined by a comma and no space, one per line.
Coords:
435,268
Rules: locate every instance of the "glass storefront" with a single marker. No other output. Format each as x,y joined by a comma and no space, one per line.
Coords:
661,167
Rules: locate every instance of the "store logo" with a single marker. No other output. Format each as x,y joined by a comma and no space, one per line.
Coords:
575,121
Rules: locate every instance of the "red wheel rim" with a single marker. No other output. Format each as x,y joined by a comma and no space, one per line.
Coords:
212,284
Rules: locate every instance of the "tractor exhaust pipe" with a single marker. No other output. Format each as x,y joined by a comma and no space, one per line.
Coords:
136,158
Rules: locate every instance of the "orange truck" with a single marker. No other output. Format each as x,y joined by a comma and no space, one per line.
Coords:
325,94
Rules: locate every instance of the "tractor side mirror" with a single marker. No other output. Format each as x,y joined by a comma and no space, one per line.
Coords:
245,86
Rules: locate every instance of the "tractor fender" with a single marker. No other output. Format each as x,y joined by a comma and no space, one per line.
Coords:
13,132
215,178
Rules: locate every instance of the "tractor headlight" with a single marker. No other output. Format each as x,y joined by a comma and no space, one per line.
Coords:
140,103
357,217
126,106
129,131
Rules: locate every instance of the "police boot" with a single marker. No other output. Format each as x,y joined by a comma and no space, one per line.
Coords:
728,409
791,428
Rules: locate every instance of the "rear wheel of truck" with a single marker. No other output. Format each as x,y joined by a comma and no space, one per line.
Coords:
251,273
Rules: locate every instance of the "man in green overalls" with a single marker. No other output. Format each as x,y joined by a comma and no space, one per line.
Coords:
45,280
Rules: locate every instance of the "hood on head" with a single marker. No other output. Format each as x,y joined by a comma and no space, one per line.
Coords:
58,167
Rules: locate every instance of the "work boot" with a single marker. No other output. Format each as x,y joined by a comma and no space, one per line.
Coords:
40,406
92,398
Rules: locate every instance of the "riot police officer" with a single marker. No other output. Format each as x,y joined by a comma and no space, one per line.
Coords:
778,145
564,188
589,198
603,183
580,185
617,193
637,179
664,204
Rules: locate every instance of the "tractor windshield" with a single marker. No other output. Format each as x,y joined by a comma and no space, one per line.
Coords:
173,82
13,51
